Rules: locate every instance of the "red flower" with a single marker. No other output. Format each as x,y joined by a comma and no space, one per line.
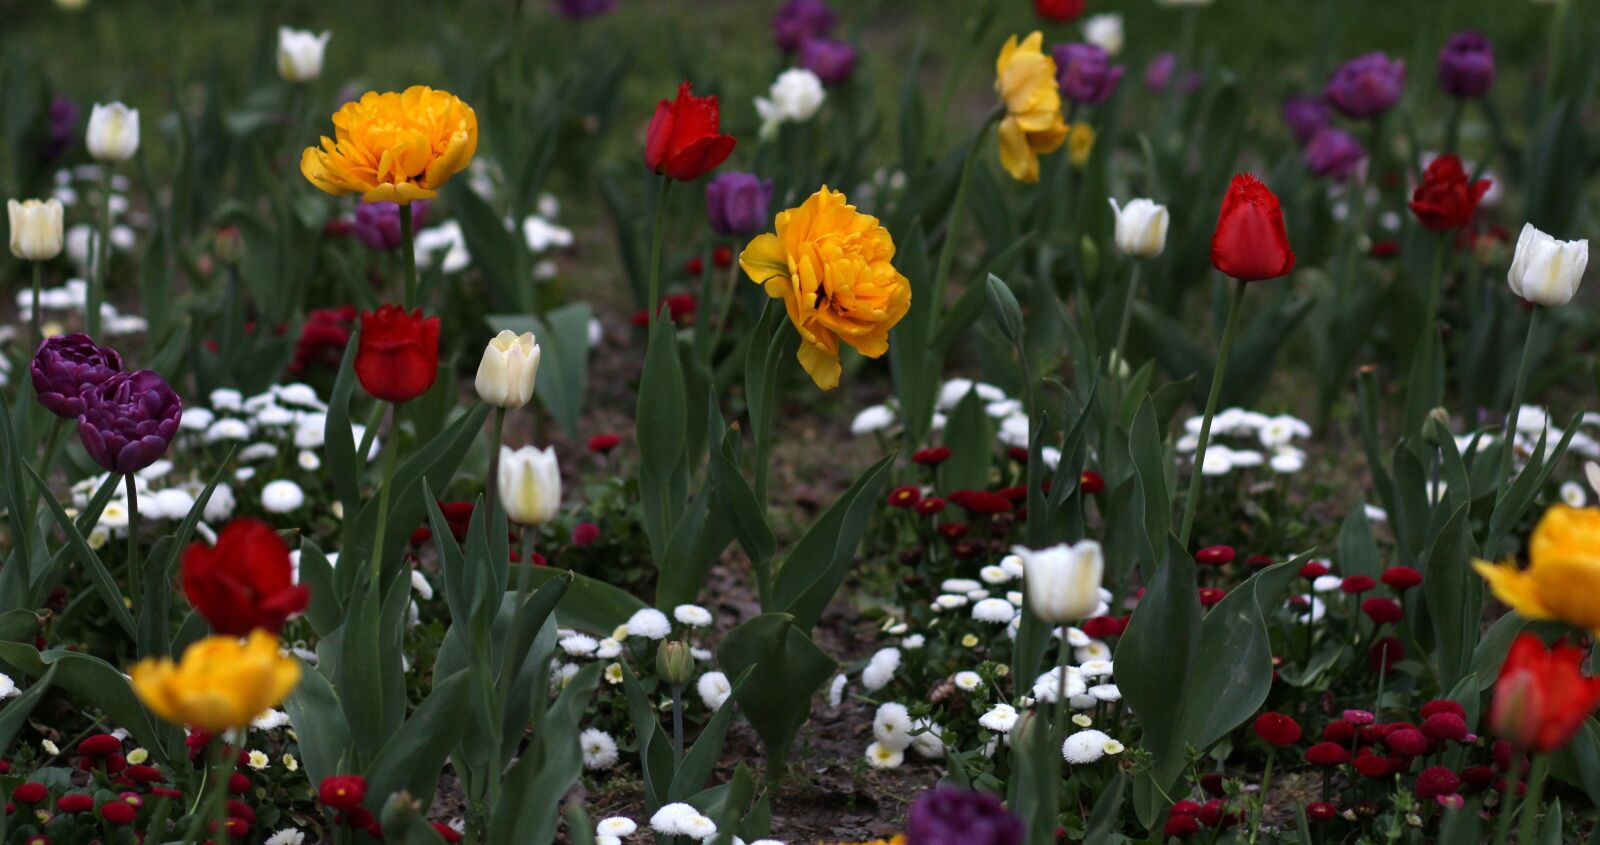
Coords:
239,810
1445,726
1384,654
75,802
694,266
1477,777
1017,453
1091,482
1371,764
398,358
342,792
30,793
602,444
1382,611
1443,705
1327,754
1215,555
1408,741
1314,569
238,783
1358,717
981,502
1258,561
144,774
930,506
99,745
1445,200
1250,243
932,456
118,812
1401,578
1385,249
1357,584
1181,825
1321,811
585,533
722,256
1436,781
952,531
904,497
1338,731
1014,494
1277,728
1101,627
1542,697
1210,596
1060,11
244,581
166,792
323,339
446,832
682,141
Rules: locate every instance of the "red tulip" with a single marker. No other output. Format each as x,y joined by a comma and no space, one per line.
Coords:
244,581
1445,200
1250,243
398,358
1542,697
683,141
1061,11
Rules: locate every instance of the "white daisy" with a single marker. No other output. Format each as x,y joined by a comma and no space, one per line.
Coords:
649,622
714,690
891,725
880,756
579,645
968,681
836,691
997,611
282,496
1001,718
599,749
692,615
1084,747
618,826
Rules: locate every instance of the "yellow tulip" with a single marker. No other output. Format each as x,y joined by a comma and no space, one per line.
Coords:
394,147
1080,143
1025,78
1562,580
220,683
831,266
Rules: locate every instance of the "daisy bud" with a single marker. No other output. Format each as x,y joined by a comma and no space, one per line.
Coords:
1063,581
508,369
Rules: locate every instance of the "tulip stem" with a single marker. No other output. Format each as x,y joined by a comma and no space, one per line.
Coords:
38,282
101,257
947,251
657,233
134,581
390,449
213,789
1530,804
1509,435
408,254
1127,313
1217,373
491,481
677,725
1508,797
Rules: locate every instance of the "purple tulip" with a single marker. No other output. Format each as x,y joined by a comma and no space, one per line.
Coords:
1085,72
832,61
64,115
1158,73
1334,154
128,422
738,203
1466,65
65,366
799,20
579,10
377,224
946,816
1305,117
1367,86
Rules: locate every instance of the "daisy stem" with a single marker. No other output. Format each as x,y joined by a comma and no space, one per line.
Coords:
1217,373
1383,674
134,581
408,254
390,449
1509,436
1266,781
657,233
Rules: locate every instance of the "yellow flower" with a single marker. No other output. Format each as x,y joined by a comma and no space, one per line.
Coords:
831,266
1026,80
1562,580
1080,143
394,147
221,683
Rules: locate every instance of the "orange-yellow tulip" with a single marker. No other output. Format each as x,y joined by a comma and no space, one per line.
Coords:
394,147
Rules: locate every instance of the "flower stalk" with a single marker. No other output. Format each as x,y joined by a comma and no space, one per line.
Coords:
1217,373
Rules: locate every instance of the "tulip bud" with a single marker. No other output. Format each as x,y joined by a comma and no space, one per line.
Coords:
674,663
300,53
113,132
1063,581
506,373
1546,271
1436,428
1141,227
35,229
530,484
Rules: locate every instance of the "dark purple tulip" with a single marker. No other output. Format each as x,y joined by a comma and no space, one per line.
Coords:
1085,72
579,10
799,20
1334,154
1466,65
738,203
1367,86
832,61
64,115
129,421
377,224
1158,74
65,366
947,816
1305,116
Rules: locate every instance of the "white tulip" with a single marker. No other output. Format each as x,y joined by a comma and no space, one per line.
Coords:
1141,227
113,132
1104,31
300,53
35,229
506,373
1063,581
794,98
530,484
1546,271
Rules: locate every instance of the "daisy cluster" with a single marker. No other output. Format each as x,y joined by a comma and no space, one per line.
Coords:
446,243
1243,439
1011,419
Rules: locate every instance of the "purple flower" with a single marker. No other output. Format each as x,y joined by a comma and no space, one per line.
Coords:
1158,74
799,20
832,61
377,224
1334,154
738,203
579,10
128,422
1085,72
65,366
947,816
64,115
1367,86
1466,65
1305,116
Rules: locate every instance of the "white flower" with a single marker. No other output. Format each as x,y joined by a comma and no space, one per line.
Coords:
1141,230
1082,720
927,739
1547,271
1106,692
959,585
8,687
300,53
880,756
257,760
648,622
956,389
258,452
836,690
274,416
1314,612
1095,650
714,690
221,504
1287,460
994,575
1047,687
508,370
49,747
579,645
227,428
1326,583
912,642
36,231
1014,565
114,515
871,419
562,675
530,484
669,819
287,836
1001,718
446,239
1572,493
795,97
542,235
1217,461
618,826
282,496
1113,747
880,669
1104,31
1084,747
891,725
599,749
1063,582
1075,637
608,648
270,720
997,611
171,503
692,615
950,601
113,132
227,399
1014,431
968,681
